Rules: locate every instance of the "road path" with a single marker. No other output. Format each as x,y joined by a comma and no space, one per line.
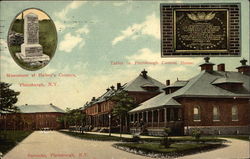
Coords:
236,149
55,145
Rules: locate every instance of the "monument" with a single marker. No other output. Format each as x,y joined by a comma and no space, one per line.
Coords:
200,29
31,50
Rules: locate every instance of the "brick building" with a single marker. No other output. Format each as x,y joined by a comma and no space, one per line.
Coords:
98,110
32,117
214,101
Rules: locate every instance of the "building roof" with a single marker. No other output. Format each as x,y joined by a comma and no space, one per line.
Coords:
178,84
139,84
106,95
226,80
160,100
40,109
200,86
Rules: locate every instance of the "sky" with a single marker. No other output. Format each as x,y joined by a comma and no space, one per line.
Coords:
41,15
96,41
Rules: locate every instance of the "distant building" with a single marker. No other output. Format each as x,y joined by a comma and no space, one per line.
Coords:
142,88
32,117
214,101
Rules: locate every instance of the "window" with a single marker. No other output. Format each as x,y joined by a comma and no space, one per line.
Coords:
197,115
216,113
235,113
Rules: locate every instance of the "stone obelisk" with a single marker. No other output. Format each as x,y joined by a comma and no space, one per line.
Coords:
31,50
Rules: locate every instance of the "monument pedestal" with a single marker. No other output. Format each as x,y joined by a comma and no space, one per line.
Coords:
33,59
31,50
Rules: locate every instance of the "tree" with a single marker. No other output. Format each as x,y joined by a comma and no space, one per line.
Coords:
166,142
73,117
124,103
8,98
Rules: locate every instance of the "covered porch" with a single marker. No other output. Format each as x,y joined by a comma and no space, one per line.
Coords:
154,121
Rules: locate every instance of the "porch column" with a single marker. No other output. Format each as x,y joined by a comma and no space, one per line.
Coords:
152,118
147,117
158,113
98,122
103,120
138,117
165,117
142,116
90,121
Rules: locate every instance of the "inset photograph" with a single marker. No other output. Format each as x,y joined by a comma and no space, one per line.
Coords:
32,39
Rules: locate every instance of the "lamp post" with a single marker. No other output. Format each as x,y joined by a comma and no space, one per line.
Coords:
109,124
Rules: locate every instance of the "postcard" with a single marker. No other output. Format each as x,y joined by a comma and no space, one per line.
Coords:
125,79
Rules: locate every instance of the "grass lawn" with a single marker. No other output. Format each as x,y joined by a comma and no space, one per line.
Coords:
240,137
116,138
92,136
187,138
176,149
181,145
9,139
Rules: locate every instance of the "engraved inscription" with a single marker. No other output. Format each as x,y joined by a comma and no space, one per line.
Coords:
32,30
33,51
200,29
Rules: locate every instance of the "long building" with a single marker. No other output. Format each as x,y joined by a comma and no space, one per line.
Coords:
214,101
32,117
98,110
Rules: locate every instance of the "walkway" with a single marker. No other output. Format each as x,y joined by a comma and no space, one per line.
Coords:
55,145
236,149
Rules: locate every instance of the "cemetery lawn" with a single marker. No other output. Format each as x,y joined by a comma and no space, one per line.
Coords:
10,138
176,149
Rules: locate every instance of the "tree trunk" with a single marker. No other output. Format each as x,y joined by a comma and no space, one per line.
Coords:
126,123
120,126
5,118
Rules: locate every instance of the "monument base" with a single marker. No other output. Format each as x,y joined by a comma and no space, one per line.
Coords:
33,59
29,50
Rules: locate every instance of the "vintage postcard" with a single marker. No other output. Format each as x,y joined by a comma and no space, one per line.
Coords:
128,79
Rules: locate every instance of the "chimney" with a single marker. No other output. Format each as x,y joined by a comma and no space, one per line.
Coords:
221,67
26,104
118,86
144,73
207,66
50,104
112,87
244,68
93,99
108,89
167,82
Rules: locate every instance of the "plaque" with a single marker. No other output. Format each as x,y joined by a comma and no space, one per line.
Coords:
200,30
